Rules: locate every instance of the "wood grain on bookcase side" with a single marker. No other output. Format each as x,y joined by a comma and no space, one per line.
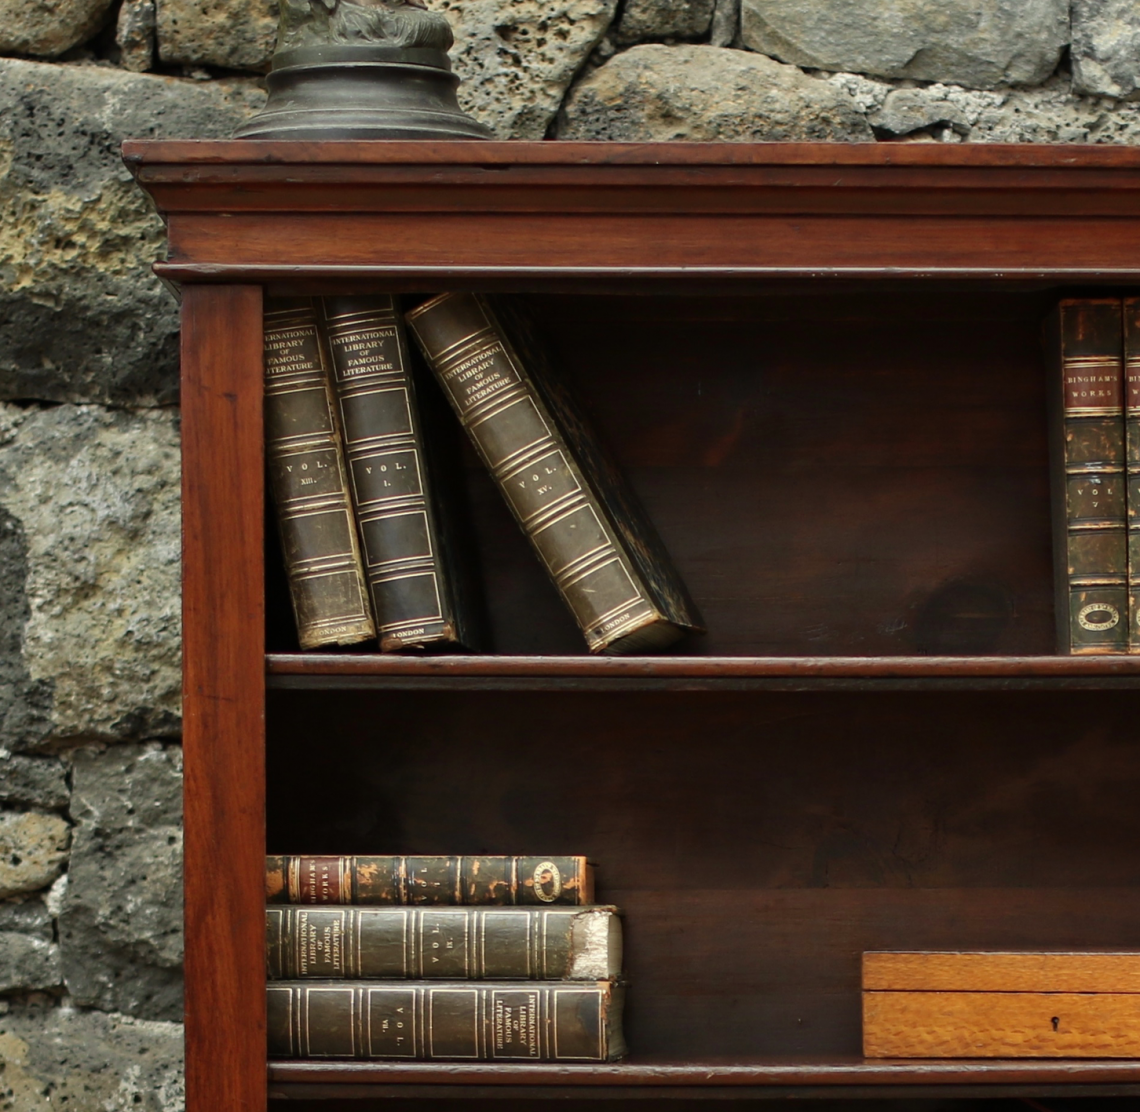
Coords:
224,699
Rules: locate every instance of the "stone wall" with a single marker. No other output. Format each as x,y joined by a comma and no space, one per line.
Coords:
90,834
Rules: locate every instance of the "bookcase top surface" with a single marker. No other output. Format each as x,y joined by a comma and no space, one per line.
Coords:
153,153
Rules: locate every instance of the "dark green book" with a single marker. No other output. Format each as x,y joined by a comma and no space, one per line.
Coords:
593,538
424,1020
444,943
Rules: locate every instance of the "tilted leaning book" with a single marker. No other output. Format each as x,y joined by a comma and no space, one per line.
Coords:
1088,477
448,943
1131,322
557,1021
535,881
591,535
420,592
309,483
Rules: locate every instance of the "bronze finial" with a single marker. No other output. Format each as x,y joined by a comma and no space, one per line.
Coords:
361,69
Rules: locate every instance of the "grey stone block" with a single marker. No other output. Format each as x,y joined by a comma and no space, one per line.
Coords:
120,927
725,23
707,93
32,781
89,589
33,851
135,35
60,1058
1049,114
82,319
48,29
517,58
29,957
1106,47
980,44
235,34
664,19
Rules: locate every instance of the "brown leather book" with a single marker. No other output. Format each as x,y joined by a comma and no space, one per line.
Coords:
1131,315
589,532
444,943
429,880
1088,478
430,1020
309,484
419,593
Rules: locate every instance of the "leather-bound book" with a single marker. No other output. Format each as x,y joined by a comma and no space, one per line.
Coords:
558,1021
1132,457
408,539
534,881
444,943
309,483
1088,478
588,530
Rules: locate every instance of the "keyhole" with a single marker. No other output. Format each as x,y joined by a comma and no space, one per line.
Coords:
1056,1021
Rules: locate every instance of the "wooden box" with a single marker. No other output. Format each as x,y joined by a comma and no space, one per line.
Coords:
1001,1005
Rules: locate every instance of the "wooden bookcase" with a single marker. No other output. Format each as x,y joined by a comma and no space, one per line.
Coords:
822,368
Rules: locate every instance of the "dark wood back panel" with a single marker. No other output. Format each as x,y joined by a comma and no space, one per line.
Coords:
758,842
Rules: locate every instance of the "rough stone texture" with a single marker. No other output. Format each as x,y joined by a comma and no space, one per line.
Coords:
725,23
706,93
89,597
120,928
29,957
58,1058
46,28
236,34
664,19
32,781
517,58
1106,47
33,851
135,35
1049,114
981,44
81,316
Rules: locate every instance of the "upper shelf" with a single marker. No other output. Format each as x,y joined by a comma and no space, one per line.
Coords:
679,673
469,212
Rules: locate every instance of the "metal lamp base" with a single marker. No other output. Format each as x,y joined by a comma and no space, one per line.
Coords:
362,92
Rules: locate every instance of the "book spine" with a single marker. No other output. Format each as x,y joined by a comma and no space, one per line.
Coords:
413,597
1090,534
1131,321
528,454
427,1021
429,880
446,943
308,482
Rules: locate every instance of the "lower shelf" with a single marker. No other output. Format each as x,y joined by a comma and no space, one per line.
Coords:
856,1076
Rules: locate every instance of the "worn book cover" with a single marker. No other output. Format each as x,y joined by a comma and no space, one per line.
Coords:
1090,542
537,881
585,524
405,497
444,943
309,483
558,1021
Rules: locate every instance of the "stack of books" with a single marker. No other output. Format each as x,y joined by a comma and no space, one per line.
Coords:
357,466
426,958
1095,443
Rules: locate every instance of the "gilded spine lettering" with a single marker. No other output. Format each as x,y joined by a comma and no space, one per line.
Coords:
493,1021
389,474
1090,481
308,483
542,480
1131,315
443,943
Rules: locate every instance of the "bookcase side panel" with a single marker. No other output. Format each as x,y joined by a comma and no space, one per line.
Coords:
224,697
